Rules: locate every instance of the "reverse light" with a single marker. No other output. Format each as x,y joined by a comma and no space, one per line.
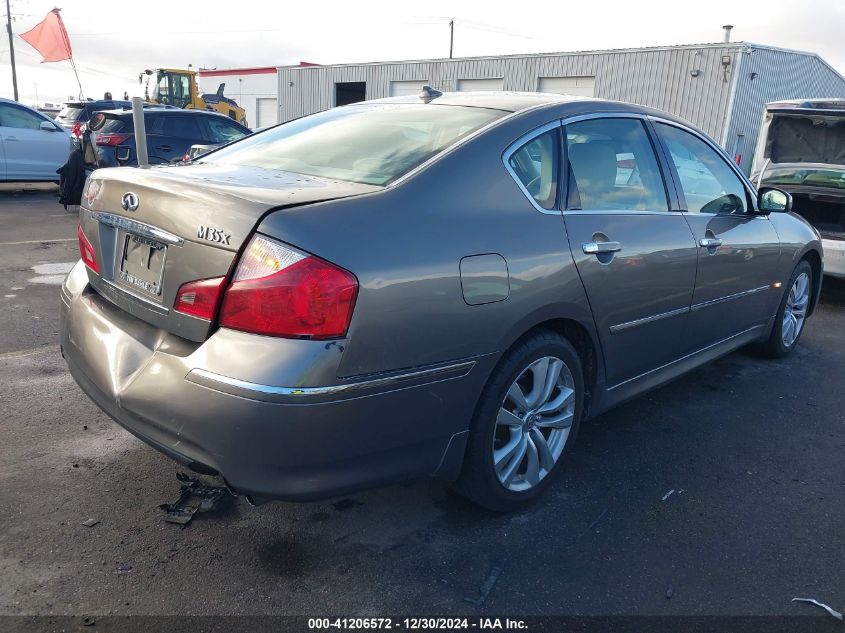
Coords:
111,139
86,250
279,291
199,298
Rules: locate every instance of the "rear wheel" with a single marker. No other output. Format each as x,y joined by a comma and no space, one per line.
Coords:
792,313
525,421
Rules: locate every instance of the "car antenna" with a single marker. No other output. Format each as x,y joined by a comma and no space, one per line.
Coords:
428,94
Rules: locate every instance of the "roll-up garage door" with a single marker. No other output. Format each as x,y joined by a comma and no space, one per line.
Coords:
576,86
467,85
267,112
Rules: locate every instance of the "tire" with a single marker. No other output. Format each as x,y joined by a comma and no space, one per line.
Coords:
781,341
513,485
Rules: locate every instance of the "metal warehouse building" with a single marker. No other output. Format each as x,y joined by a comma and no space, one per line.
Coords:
720,88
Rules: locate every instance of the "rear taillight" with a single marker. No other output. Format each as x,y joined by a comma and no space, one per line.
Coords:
111,139
199,298
279,291
76,130
86,250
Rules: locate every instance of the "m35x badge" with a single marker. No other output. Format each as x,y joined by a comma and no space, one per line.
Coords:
213,235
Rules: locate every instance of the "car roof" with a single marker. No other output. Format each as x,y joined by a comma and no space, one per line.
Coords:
96,103
498,100
168,110
517,102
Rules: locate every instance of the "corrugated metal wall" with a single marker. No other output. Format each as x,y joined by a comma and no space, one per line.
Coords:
779,75
662,78
659,78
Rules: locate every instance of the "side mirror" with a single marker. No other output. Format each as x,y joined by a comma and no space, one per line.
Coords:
46,125
770,199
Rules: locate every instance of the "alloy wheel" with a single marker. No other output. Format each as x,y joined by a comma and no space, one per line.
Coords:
795,311
533,423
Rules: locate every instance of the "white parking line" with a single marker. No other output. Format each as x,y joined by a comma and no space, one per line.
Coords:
54,268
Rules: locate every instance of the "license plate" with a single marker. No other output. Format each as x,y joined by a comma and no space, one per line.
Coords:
142,263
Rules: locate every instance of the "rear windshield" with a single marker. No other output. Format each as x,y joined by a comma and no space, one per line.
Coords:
371,144
71,114
102,123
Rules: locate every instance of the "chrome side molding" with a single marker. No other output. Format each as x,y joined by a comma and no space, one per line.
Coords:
137,228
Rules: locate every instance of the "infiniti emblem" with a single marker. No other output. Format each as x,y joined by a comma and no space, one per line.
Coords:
129,202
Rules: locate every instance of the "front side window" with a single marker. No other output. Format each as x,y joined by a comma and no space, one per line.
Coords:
369,144
11,116
612,167
181,126
536,166
708,182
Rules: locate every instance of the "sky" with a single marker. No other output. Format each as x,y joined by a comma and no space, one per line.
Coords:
112,46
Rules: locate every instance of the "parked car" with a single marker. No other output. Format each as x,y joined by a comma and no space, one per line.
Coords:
409,287
32,146
75,114
801,149
170,134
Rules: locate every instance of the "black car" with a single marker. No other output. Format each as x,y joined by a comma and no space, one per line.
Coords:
170,134
76,113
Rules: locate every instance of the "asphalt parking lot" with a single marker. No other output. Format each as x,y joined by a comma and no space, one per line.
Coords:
752,449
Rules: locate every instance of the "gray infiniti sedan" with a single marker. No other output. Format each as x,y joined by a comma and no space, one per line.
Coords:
444,285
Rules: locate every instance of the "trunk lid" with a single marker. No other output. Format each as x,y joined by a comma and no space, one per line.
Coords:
155,229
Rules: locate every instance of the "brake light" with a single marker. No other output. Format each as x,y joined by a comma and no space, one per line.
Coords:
279,291
86,250
199,298
111,139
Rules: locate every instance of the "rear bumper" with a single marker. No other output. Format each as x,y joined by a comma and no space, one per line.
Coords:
834,257
267,441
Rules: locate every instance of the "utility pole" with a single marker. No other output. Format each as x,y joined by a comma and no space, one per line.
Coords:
11,48
451,37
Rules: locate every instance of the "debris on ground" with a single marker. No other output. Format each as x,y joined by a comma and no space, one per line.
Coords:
90,522
669,593
832,612
194,497
486,586
88,620
668,494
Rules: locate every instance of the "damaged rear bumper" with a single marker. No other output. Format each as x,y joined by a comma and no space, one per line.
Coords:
267,441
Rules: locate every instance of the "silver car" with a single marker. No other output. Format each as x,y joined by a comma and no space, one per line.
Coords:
32,146
445,285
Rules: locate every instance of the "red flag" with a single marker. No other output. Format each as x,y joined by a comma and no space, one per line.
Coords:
50,38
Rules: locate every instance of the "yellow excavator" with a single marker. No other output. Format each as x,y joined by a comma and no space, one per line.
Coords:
179,88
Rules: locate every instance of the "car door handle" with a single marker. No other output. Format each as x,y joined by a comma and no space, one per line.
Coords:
11,138
710,242
164,148
596,248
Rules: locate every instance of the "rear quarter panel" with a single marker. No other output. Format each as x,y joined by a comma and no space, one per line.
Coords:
405,245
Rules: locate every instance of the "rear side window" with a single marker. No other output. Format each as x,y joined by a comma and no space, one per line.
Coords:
103,123
535,165
181,127
708,182
612,167
222,131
